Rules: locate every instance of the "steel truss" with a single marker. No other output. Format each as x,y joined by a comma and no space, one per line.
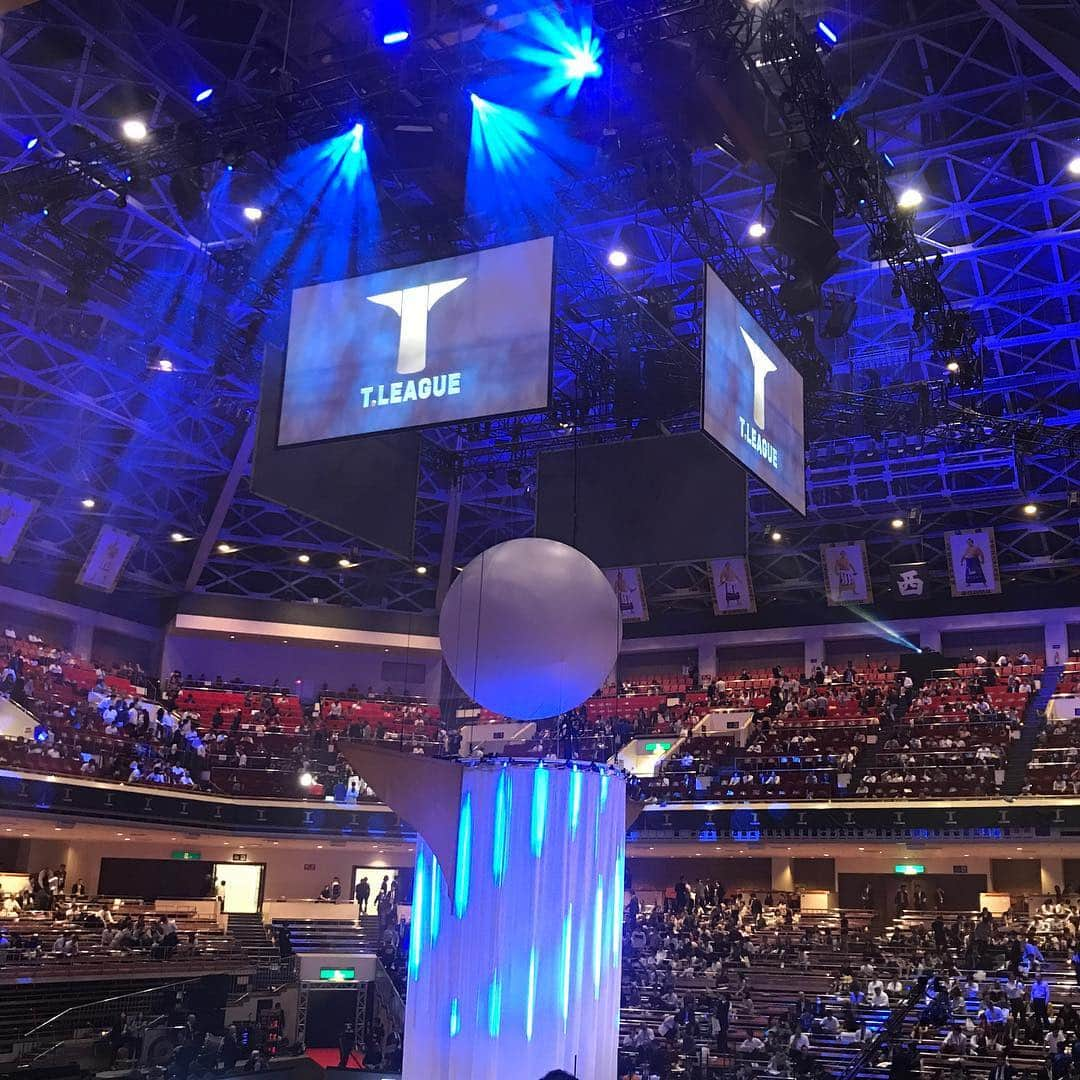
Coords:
940,95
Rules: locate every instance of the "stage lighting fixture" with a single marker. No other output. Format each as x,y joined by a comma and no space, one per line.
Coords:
776,536
909,199
305,559
1030,509
177,537
253,213
306,779
346,564
827,32
135,130
756,230
88,504
952,366
164,364
897,523
204,95
357,138
395,37
421,570
1074,166
841,316
914,517
581,63
31,142
226,549
187,195
617,258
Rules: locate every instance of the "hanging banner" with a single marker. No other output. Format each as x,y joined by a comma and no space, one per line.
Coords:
626,581
973,564
847,579
733,589
15,514
107,559
911,581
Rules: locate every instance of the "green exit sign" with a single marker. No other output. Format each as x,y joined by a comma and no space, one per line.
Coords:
337,974
657,747
909,869
187,856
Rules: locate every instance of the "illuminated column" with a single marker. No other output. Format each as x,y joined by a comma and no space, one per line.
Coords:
514,955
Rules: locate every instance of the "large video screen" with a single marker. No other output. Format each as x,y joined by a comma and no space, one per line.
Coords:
752,396
455,339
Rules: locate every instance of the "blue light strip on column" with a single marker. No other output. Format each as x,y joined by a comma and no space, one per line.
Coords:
500,849
530,999
617,881
436,899
539,809
598,938
464,856
416,931
603,789
575,799
567,945
455,1017
494,1006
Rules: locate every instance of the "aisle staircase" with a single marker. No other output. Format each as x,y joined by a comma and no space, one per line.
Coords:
251,936
326,936
1034,717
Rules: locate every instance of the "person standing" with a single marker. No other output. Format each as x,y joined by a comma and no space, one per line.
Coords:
363,893
346,1046
1040,999
335,889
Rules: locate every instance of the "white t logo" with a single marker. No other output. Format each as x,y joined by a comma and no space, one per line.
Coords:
412,307
762,366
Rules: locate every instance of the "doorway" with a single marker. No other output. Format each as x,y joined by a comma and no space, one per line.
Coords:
243,886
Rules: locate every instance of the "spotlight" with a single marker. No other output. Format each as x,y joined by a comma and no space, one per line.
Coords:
827,32
135,130
204,95
177,537
226,549
253,213
952,366
306,779
897,523
88,504
164,364
421,570
357,138
756,230
909,199
31,142
305,559
395,37
617,258
581,63
776,536
1030,509
346,564
1074,166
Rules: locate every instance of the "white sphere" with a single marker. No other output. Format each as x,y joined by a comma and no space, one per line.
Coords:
530,628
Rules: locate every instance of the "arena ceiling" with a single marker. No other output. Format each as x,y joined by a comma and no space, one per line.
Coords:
974,101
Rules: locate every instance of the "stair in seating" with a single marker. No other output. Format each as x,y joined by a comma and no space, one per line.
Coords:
1034,719
250,935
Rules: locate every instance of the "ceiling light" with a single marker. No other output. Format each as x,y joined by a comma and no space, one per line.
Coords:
1073,166
952,366
204,95
226,549
1030,509
88,504
253,213
776,536
303,558
164,364
827,32
421,569
897,523
756,230
395,37
346,564
909,198
306,779
31,142
617,258
134,129
177,537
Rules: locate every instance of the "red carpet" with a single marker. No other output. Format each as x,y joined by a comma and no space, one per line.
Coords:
329,1056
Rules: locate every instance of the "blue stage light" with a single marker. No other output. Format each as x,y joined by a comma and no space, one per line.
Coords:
31,142
464,857
357,138
827,32
530,998
598,938
204,95
567,946
568,52
395,37
539,810
494,1006
575,799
